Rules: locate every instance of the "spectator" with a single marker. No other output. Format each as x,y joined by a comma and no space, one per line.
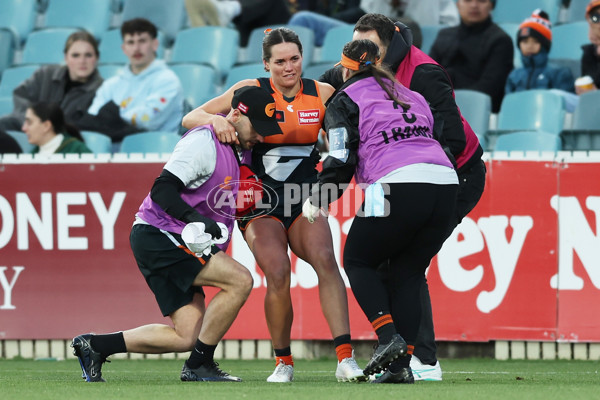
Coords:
8,144
72,86
244,14
413,13
590,60
477,54
179,238
534,39
418,72
145,96
46,128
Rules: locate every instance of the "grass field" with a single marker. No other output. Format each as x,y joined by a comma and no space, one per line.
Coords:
464,379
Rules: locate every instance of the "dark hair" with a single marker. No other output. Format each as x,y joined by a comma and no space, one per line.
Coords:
366,53
379,23
53,113
276,36
83,36
138,25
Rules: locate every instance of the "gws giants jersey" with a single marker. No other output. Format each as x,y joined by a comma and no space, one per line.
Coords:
291,157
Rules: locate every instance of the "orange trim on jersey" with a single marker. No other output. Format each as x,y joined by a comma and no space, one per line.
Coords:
302,118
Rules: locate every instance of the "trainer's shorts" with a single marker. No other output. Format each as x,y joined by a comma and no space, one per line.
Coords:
169,267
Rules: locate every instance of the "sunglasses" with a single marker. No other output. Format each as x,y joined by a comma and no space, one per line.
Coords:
595,17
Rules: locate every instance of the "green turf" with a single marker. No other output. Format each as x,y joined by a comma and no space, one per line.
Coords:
149,379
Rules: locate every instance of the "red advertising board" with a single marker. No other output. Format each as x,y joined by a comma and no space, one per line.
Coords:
524,265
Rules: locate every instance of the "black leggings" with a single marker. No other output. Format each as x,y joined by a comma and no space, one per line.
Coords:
420,218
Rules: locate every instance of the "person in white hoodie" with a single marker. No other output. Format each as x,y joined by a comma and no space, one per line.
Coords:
147,94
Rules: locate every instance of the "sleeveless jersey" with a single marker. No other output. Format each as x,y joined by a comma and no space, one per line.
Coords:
291,157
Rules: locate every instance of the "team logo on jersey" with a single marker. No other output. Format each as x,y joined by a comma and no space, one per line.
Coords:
290,107
279,116
309,117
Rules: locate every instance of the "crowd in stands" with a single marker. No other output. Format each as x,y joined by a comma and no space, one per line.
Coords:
471,39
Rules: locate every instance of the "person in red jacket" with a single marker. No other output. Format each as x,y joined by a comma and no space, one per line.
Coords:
420,73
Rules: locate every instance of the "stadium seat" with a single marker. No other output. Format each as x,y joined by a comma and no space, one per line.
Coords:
254,48
245,71
198,82
518,10
109,70
110,47
585,131
316,70
19,17
429,33
93,16
168,16
567,40
213,45
532,110
7,49
21,138
97,142
150,142
476,107
6,105
333,44
528,141
12,77
511,28
46,46
576,10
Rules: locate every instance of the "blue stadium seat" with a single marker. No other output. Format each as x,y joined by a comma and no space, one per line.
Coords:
6,105
316,70
12,77
518,10
110,47
97,142
245,71
109,70
429,33
93,16
585,131
254,48
46,46
511,28
7,49
567,40
18,16
576,10
532,110
168,16
21,138
198,82
528,141
149,142
213,45
334,42
476,107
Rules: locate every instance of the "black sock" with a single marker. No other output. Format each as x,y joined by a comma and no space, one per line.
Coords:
108,344
342,339
202,354
287,351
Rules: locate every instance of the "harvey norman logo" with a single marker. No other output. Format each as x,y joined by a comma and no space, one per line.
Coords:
308,117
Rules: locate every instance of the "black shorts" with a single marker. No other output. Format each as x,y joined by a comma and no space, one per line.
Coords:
169,267
286,211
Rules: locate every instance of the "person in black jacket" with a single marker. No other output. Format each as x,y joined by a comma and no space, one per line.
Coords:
477,54
590,59
417,71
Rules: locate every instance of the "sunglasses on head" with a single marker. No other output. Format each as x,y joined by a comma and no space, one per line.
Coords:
595,17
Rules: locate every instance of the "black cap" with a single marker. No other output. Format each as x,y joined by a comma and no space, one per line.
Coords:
259,106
